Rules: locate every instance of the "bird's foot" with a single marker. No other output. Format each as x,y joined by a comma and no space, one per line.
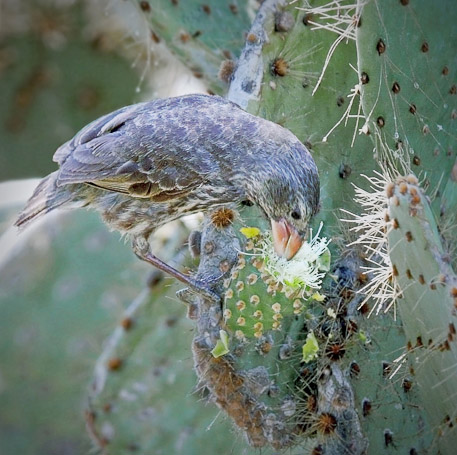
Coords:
142,249
200,287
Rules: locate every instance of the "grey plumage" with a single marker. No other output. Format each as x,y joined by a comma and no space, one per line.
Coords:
146,164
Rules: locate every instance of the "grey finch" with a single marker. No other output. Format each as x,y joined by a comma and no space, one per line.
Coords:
150,163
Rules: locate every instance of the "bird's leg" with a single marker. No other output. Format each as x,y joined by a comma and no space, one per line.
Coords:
143,251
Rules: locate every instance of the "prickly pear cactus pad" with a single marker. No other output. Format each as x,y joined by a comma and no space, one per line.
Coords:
427,303
202,34
264,335
407,63
292,284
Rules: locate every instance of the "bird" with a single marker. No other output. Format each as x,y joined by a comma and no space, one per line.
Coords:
146,164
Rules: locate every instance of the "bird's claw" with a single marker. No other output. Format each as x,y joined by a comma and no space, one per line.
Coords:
200,287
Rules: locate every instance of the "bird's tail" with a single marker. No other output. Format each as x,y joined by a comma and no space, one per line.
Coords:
46,197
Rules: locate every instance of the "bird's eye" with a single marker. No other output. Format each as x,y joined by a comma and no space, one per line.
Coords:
295,215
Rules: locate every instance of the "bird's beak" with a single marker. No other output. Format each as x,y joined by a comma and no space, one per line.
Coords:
286,239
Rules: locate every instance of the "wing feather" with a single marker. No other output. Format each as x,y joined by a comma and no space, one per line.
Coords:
118,153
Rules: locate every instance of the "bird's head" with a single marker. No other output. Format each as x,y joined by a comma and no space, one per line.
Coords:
288,194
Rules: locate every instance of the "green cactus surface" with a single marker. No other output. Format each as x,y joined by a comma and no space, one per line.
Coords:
408,68
54,76
427,288
201,34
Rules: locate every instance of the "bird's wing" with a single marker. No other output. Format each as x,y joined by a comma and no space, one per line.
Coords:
116,153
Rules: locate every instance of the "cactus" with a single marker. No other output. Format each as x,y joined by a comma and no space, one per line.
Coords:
202,34
409,89
279,94
347,367
46,91
428,295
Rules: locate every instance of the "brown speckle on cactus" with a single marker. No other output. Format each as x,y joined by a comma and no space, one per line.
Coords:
127,323
396,87
413,191
390,188
277,317
298,306
208,248
451,332
145,6
257,314
380,122
445,71
394,270
335,351
257,263
424,47
227,314
241,263
407,384
415,200
306,18
114,364
233,8
184,37
381,47
240,305
344,171
403,187
206,9
234,274
249,245
254,299
412,108
416,160
226,70
279,67
240,335
366,407
395,223
258,326
252,279
264,346
241,321
224,266
453,90
409,236
239,286
453,114
229,293
326,423
354,369
404,2
386,368
425,129
340,101
318,450
409,274
364,78
421,279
